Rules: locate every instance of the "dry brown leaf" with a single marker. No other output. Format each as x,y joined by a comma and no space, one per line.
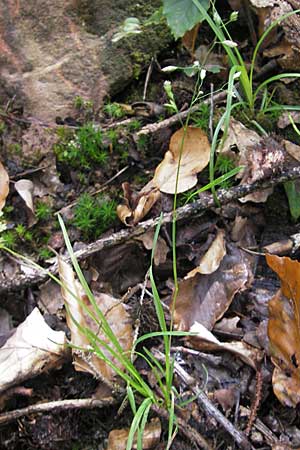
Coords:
189,39
117,439
161,249
211,261
194,148
137,205
284,119
284,330
204,340
261,157
205,298
32,349
115,314
25,189
4,185
292,149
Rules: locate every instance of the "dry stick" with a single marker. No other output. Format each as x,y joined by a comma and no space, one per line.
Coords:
82,403
239,437
197,208
154,127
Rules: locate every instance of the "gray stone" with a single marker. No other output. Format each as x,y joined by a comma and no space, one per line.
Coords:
54,50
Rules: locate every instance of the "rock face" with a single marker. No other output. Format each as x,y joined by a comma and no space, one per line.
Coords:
54,50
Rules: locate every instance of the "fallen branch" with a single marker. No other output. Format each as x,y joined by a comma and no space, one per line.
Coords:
197,208
154,127
82,403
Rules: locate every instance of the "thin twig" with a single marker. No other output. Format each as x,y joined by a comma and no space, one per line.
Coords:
180,117
194,209
103,188
82,403
239,437
257,400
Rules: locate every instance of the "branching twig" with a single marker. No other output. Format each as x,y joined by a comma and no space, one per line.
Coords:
197,208
82,403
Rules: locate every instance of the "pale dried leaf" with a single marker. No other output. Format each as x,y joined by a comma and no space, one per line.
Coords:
4,185
32,349
292,149
117,439
211,261
161,249
284,119
206,341
194,148
115,313
205,298
137,205
25,189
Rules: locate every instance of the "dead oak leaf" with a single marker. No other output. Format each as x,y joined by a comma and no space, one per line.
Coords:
117,439
190,148
78,320
206,298
284,330
137,206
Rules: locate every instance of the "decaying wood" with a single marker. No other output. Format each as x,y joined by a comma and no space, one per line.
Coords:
197,208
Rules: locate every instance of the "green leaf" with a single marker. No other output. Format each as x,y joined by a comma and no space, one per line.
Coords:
182,15
292,191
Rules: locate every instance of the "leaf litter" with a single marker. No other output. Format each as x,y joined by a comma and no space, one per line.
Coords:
235,324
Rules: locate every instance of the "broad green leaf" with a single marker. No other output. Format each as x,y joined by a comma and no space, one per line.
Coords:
182,15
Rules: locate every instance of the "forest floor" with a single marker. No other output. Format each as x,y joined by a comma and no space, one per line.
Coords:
112,177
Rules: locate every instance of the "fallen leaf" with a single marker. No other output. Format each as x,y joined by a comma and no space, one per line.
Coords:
25,189
204,340
137,206
284,330
205,298
192,149
292,149
76,315
261,157
211,261
32,349
189,38
4,185
117,439
284,118
161,248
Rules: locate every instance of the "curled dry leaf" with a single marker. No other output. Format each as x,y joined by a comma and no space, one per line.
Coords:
284,330
25,189
161,249
210,262
204,340
193,146
4,185
115,314
205,298
32,349
137,205
262,157
117,439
